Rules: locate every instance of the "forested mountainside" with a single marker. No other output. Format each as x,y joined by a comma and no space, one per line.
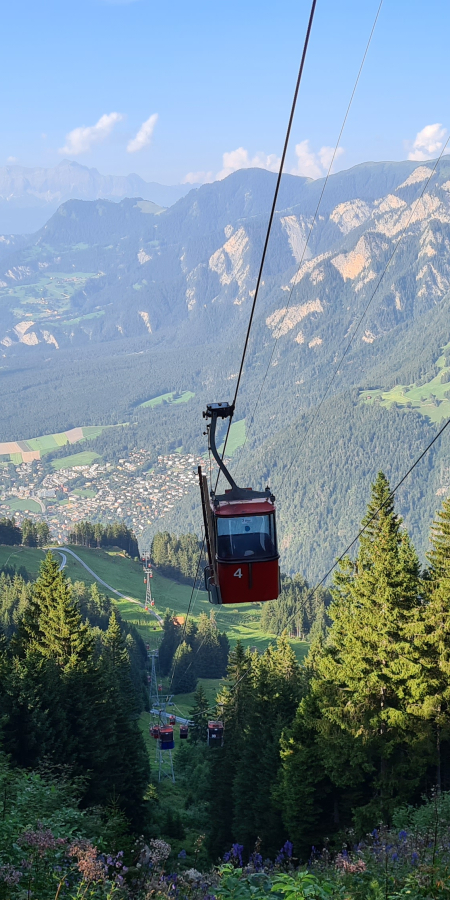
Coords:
28,196
111,304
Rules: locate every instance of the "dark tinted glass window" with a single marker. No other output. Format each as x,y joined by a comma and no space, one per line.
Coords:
246,537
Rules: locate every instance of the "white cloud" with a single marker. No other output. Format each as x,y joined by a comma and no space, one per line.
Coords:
144,135
80,140
198,178
314,165
239,159
311,164
12,159
428,142
231,162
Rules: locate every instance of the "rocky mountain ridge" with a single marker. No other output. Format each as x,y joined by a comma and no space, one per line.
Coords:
101,271
111,304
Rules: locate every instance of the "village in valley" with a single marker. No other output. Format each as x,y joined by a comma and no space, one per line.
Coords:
133,491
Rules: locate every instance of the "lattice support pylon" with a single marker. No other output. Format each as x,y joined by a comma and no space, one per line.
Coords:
148,575
165,764
154,697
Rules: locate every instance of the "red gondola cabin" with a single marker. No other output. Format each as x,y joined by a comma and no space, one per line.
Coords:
166,741
154,732
241,534
184,731
215,734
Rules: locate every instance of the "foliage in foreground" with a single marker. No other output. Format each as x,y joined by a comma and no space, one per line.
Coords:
70,691
72,854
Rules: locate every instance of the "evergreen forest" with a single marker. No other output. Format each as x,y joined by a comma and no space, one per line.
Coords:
333,777
86,534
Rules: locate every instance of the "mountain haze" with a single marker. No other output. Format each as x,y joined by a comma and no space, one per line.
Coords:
28,196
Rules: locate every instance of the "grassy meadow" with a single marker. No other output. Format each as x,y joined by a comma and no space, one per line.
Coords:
240,621
431,399
85,458
169,398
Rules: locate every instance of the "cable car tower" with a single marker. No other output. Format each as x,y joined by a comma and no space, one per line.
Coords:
148,575
155,697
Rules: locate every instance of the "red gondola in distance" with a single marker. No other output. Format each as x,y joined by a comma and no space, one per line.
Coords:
215,734
241,535
166,741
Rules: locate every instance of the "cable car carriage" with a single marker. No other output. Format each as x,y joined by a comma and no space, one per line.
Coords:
240,530
166,741
215,734
154,732
184,731
172,720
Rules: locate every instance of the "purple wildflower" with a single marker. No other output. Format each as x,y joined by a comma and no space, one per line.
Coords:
236,851
288,848
182,854
256,861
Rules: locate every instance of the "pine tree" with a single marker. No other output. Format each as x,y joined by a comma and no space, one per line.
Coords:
304,789
169,643
211,649
432,700
224,762
369,752
53,624
184,679
276,688
198,717
365,675
121,762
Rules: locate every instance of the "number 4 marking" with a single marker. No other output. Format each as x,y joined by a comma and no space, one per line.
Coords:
238,573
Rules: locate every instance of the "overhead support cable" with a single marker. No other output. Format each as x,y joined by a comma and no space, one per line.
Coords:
374,515
385,503
316,211
272,213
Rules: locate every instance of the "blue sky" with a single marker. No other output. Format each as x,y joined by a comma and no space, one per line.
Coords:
81,77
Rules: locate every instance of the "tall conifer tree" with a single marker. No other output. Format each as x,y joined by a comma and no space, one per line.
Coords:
432,700
364,676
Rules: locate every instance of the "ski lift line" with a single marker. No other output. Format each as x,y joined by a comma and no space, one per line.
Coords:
316,212
272,211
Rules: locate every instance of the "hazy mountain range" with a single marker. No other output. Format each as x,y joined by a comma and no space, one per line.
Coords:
112,303
28,196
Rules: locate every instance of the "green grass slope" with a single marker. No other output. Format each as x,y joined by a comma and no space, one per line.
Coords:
431,399
240,622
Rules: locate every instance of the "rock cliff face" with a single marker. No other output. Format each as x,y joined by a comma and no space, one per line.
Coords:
101,271
151,299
